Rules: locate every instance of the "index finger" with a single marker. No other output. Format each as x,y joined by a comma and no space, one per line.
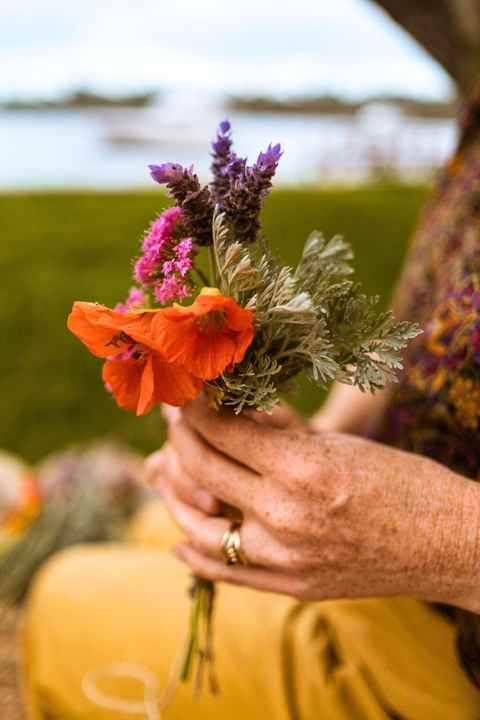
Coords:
241,438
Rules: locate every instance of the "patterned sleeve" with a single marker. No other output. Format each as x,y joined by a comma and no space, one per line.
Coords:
435,409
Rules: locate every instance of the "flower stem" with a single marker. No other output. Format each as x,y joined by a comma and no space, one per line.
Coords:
212,267
203,277
199,651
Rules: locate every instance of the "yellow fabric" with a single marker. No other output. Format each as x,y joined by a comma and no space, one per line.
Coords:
276,658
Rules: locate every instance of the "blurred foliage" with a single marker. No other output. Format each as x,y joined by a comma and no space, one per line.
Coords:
87,495
57,248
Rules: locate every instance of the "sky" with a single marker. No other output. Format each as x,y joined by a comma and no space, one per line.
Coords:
277,47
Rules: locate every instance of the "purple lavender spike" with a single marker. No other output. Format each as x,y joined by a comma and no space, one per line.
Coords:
166,173
194,200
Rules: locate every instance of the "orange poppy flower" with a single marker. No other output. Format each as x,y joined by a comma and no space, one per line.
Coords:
138,376
207,337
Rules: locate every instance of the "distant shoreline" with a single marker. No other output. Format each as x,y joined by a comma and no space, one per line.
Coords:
321,105
82,99
329,105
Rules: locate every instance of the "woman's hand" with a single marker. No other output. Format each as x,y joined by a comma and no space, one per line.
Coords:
324,516
195,494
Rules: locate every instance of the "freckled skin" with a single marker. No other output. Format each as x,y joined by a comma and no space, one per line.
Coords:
325,514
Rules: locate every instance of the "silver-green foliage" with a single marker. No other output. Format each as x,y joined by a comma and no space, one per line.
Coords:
314,319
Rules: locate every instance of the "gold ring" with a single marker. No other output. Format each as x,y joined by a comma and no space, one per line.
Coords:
232,546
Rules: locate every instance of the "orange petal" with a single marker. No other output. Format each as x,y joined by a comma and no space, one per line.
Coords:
205,355
140,385
124,378
147,399
243,341
96,326
173,384
236,317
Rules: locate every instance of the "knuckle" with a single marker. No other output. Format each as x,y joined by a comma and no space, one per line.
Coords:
286,520
174,434
290,560
183,486
275,521
297,561
153,465
259,502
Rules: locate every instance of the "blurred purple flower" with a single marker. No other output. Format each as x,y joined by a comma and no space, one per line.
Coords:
267,161
221,158
167,173
476,342
239,190
225,126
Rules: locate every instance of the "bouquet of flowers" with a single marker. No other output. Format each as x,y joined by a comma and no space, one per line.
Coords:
253,324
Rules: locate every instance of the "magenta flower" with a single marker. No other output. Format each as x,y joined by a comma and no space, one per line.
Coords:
167,258
136,300
157,246
175,284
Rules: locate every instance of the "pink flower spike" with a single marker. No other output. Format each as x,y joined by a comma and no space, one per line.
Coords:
136,300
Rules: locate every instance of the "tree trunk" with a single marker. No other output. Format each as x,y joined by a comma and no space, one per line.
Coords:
448,29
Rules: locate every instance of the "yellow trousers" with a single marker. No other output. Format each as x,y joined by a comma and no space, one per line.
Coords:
104,625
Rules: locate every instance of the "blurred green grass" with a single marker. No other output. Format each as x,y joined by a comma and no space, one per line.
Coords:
59,247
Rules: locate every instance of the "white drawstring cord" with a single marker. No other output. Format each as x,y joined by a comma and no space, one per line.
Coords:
150,706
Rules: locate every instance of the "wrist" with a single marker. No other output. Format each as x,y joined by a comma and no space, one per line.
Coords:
449,530
466,592
323,421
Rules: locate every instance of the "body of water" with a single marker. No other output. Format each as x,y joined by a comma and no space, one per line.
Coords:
111,148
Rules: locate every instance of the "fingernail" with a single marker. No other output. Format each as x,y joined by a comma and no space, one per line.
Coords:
171,414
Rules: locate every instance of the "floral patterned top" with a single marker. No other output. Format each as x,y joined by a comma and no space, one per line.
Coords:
435,409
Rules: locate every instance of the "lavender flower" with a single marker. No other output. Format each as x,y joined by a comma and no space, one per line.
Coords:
267,161
249,187
222,156
194,200
239,190
166,174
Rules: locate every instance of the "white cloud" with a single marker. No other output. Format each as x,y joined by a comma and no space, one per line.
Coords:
281,46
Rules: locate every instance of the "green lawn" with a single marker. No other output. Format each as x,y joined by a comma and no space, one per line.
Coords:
57,248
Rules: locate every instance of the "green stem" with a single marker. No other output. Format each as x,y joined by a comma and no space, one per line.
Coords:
199,651
203,277
193,637
211,267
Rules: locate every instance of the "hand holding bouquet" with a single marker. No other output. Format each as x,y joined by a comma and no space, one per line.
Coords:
253,325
